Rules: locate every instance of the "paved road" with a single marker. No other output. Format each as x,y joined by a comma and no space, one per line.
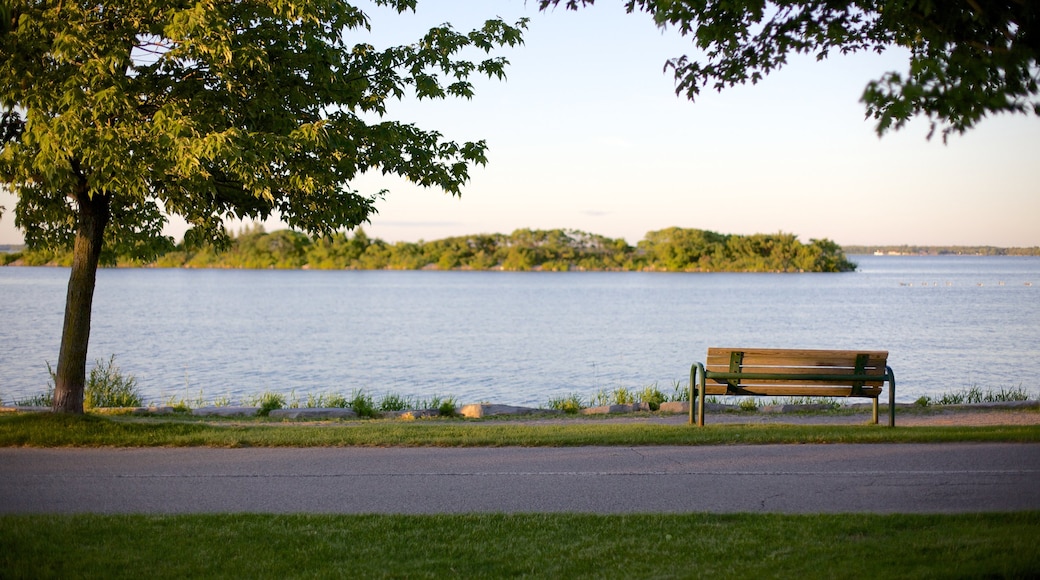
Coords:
775,478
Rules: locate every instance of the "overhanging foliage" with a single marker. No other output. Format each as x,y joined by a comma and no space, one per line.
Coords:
968,58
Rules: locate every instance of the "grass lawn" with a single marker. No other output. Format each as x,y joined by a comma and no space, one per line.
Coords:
49,430
1005,545
533,545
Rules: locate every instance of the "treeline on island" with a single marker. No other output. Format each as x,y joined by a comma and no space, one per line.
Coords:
668,250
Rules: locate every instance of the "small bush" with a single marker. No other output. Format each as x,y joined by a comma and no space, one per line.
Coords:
327,401
268,402
1007,395
570,404
447,407
923,401
10,258
679,392
179,405
45,399
623,396
652,396
974,394
225,401
393,402
362,404
748,404
956,398
435,402
108,387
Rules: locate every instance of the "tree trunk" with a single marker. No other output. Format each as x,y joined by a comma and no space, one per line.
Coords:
70,378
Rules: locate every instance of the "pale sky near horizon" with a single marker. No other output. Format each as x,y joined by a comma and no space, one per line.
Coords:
587,133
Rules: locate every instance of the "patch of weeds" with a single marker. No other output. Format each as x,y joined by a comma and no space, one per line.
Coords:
950,399
268,402
748,404
652,396
327,401
363,404
830,402
185,405
45,399
431,403
974,394
179,406
623,396
923,401
447,407
1007,395
394,402
224,401
679,392
107,386
970,395
434,402
571,404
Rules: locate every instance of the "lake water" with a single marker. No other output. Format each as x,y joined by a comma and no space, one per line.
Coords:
520,338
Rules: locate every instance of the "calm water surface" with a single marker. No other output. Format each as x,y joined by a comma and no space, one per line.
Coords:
521,338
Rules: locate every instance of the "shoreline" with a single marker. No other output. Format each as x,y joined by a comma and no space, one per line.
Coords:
907,415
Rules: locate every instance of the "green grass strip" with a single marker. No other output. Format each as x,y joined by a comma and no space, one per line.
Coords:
524,545
48,430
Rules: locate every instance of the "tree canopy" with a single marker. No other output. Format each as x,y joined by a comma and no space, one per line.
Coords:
968,58
119,113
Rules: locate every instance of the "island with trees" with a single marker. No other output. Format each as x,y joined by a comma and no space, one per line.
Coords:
668,250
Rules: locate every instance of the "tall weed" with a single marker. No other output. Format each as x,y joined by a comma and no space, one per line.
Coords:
107,386
571,404
394,402
327,401
974,394
363,404
268,402
652,396
679,392
447,407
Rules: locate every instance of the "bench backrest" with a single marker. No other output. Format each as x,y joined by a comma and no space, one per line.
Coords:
779,372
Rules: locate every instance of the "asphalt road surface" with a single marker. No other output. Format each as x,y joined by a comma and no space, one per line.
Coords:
942,478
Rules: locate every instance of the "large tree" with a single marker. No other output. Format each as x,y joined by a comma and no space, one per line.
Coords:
119,113
968,58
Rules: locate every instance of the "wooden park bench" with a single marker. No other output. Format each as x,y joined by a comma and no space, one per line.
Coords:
784,373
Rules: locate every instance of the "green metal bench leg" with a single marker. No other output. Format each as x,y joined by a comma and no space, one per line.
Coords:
699,400
693,391
891,396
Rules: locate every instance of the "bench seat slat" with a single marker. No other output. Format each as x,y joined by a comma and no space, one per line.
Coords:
781,358
789,390
878,371
799,381
792,352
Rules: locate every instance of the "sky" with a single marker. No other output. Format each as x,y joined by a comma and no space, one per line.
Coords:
587,133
